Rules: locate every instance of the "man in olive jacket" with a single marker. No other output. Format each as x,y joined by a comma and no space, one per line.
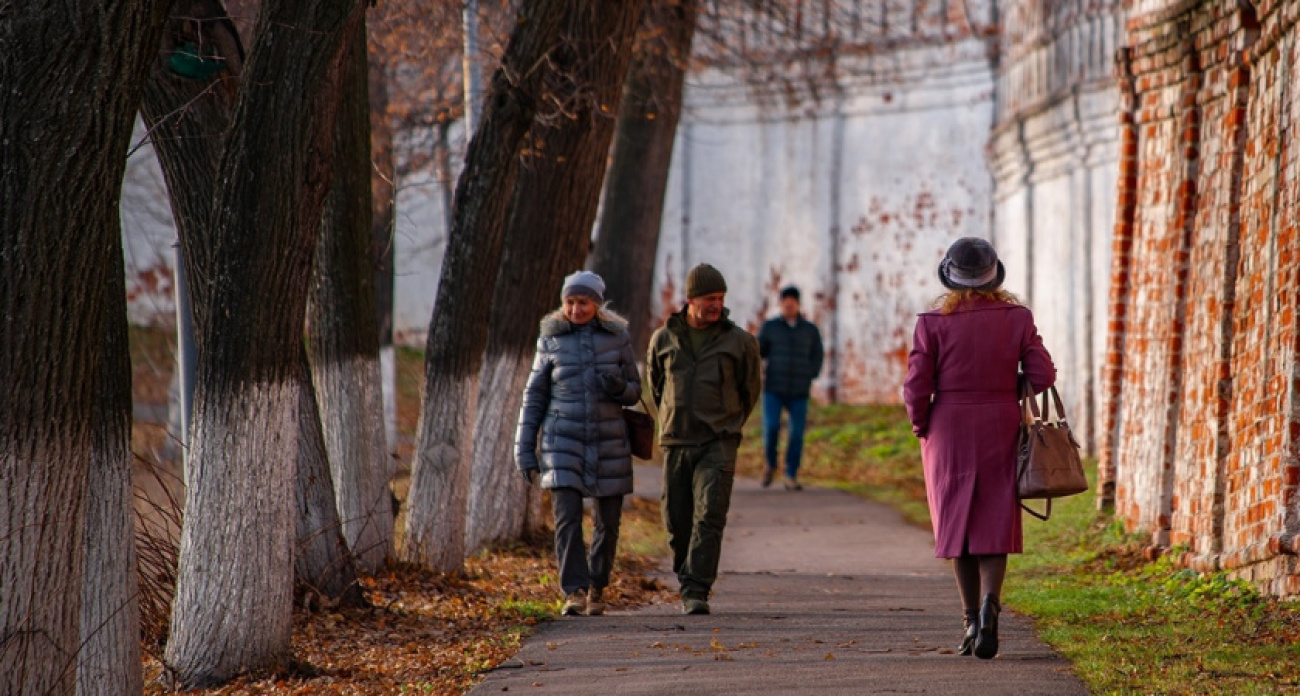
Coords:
705,378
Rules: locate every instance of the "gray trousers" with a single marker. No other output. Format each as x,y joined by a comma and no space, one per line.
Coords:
578,569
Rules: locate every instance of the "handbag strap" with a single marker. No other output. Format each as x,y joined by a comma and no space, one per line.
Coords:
1030,411
1056,401
1028,407
1040,515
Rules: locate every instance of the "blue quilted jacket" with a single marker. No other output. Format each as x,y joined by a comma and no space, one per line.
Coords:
578,428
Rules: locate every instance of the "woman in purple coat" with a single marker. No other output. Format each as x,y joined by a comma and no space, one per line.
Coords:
962,397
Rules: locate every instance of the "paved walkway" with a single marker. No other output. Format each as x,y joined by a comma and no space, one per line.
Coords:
821,593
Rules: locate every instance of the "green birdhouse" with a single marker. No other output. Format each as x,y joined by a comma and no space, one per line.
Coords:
188,61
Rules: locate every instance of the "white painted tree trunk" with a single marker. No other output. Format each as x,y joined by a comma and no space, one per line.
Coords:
547,234
498,499
458,332
323,566
344,329
351,410
108,663
435,522
234,591
71,74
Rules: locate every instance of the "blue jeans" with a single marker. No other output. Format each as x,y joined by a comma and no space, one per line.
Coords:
772,407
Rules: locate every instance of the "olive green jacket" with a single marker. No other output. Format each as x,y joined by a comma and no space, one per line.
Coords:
705,397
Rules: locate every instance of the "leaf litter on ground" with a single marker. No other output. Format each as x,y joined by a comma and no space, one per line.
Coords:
432,633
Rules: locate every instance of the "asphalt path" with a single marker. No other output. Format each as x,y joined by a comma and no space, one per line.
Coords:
820,593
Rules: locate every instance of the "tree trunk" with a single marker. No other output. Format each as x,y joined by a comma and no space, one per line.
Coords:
189,118
323,568
435,526
628,239
61,156
383,191
109,661
547,236
344,335
266,218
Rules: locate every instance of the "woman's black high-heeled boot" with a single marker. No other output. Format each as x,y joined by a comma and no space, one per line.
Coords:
986,645
971,620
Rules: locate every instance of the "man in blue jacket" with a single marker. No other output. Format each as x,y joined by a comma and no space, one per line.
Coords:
792,349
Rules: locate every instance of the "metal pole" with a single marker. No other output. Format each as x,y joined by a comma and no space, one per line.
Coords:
469,68
186,354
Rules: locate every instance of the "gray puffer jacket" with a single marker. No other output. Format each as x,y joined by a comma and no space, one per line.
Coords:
584,441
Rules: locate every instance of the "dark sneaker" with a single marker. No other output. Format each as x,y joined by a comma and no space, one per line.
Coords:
768,474
792,484
695,607
575,603
596,602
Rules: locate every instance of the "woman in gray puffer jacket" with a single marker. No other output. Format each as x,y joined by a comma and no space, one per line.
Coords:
584,374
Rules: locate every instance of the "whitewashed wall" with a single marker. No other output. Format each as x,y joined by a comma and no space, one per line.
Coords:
148,238
1055,162
853,197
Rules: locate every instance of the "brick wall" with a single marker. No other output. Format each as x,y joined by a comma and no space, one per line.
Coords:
1201,421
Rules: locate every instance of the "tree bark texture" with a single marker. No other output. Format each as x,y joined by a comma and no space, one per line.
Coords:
109,661
548,234
628,238
188,118
71,76
458,331
344,332
270,193
323,567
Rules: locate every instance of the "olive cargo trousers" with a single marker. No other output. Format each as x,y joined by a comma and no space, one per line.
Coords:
696,497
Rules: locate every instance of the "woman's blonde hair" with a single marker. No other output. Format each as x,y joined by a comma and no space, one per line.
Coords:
950,301
604,312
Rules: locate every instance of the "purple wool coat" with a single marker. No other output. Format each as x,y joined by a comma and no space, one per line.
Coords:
962,400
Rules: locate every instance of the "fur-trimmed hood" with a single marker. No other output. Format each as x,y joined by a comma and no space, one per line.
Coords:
555,324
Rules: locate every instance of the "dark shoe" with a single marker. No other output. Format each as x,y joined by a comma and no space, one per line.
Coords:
768,474
792,484
596,602
971,620
575,603
986,646
695,607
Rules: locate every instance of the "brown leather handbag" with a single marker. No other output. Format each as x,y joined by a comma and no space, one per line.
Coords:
1049,465
640,431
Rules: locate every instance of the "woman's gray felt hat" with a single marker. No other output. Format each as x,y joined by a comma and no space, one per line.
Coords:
971,264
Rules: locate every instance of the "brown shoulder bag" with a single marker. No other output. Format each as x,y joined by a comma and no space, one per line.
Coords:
640,431
1048,463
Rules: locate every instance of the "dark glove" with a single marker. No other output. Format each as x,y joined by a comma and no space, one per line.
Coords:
529,475
613,384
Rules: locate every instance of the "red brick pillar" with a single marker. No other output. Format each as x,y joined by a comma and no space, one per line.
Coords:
1121,268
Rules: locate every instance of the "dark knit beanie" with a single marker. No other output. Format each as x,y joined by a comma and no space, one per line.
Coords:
704,280
790,291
